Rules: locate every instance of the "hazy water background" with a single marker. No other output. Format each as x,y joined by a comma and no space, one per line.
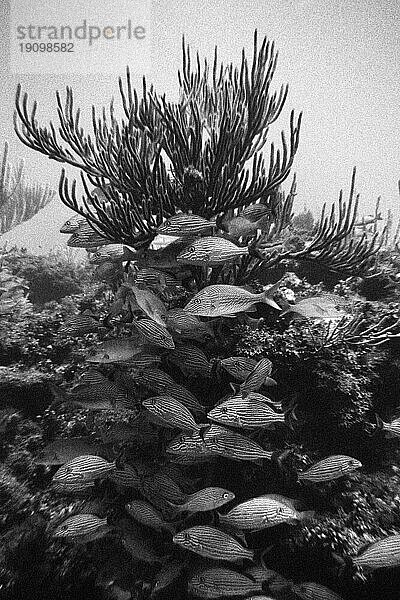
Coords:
341,59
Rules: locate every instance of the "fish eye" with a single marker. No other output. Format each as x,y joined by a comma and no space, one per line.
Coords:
280,510
167,223
225,496
186,537
224,410
192,249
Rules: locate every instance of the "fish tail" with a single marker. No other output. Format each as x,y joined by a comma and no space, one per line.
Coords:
268,300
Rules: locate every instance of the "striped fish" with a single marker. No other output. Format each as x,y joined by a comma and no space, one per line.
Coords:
212,543
245,413
142,360
314,591
126,478
191,447
211,251
73,224
104,390
183,225
161,485
171,413
241,226
151,305
87,467
79,325
256,378
168,573
381,554
112,253
219,582
220,299
73,488
330,468
262,575
261,513
187,326
152,277
155,333
115,351
233,445
391,429
190,360
204,500
65,449
238,366
140,546
254,212
144,513
154,379
186,398
87,237
254,397
82,527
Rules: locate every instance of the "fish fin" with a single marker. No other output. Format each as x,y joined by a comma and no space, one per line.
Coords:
235,387
268,300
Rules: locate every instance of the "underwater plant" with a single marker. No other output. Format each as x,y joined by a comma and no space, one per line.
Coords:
184,454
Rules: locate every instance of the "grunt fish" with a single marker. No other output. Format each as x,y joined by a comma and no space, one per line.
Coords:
218,300
212,543
330,468
211,251
184,225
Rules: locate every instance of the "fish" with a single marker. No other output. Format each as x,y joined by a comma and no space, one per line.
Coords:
158,381
253,212
146,514
257,377
156,334
140,546
330,468
114,253
103,389
238,366
220,299
184,225
72,224
211,251
381,554
82,527
220,582
179,392
87,467
87,237
245,413
169,572
152,277
160,485
79,325
127,478
262,575
63,450
151,305
163,258
73,488
171,413
155,379
191,446
317,307
391,429
190,360
204,500
232,445
212,543
314,591
262,512
241,226
141,360
115,351
187,326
